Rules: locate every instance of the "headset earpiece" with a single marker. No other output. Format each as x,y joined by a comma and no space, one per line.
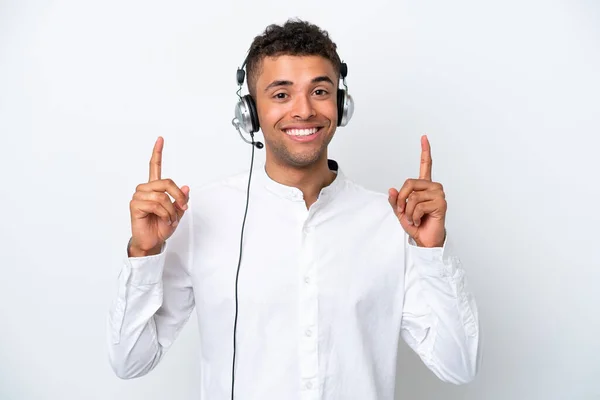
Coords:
345,103
253,113
341,100
245,113
245,109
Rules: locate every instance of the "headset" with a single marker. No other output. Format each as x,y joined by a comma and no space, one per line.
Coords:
246,118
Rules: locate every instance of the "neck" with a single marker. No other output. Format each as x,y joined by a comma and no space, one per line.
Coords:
310,179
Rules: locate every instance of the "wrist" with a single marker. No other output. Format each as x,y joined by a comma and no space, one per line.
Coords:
135,251
431,244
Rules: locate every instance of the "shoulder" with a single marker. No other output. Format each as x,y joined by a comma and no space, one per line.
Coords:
369,209
362,196
369,206
235,182
218,195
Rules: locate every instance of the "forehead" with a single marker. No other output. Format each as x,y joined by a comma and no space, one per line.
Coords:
297,69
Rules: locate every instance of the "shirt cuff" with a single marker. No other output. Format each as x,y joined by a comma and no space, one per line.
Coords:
432,261
146,270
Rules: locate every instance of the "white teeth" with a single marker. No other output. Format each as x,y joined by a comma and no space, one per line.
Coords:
301,132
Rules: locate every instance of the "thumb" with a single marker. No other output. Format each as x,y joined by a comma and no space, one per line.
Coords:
393,199
180,211
186,191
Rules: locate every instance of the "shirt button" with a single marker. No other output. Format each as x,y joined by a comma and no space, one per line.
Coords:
309,385
306,279
308,332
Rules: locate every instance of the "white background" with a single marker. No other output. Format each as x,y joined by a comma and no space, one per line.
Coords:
508,92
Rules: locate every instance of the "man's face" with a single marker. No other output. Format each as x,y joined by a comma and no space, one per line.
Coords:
296,99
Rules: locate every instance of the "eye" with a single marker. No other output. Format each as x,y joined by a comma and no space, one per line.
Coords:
321,92
280,96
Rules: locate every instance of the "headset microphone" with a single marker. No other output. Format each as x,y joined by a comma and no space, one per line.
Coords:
235,122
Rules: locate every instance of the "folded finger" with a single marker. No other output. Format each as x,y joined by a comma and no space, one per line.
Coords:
414,199
143,208
422,209
162,198
169,186
410,186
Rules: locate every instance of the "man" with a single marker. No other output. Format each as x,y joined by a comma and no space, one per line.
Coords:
332,274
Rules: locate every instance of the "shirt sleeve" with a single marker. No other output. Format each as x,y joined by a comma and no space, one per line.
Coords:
440,320
154,301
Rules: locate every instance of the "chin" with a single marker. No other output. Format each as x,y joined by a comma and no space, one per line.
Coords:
298,159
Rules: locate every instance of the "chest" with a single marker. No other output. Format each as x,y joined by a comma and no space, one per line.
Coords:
291,260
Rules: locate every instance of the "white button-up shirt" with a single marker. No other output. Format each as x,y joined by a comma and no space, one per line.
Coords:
324,295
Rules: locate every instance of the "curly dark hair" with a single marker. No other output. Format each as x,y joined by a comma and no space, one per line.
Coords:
294,37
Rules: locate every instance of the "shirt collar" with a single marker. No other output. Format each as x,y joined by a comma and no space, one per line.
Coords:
293,193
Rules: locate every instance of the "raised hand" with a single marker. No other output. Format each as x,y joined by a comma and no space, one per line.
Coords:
420,204
154,217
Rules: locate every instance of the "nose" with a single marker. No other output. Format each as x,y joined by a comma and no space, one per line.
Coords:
303,108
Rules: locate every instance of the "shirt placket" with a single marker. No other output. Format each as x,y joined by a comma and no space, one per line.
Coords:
308,313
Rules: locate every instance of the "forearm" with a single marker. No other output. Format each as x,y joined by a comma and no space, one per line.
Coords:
441,317
451,347
133,346
134,349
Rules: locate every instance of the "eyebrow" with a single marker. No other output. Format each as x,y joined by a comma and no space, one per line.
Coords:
277,83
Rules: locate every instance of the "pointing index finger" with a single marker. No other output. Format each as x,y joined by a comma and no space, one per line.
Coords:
425,170
156,160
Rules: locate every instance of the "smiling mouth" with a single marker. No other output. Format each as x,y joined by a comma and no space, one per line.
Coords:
301,132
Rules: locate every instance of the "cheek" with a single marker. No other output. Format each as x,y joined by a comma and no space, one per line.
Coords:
327,109
269,116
